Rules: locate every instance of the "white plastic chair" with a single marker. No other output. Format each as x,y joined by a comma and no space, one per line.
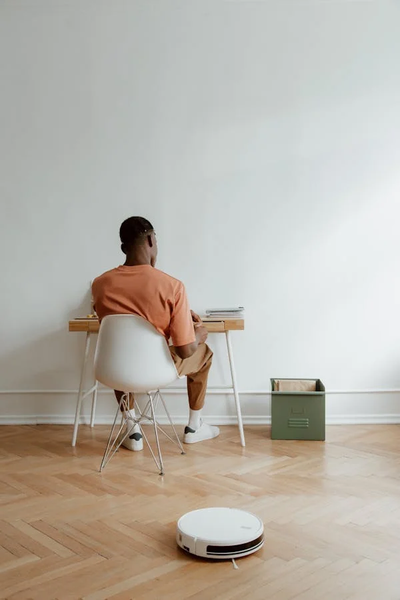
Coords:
132,356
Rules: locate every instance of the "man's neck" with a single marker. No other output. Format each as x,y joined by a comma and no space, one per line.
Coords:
136,259
136,263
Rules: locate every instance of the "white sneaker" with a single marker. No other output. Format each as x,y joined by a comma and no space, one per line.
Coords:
204,432
134,441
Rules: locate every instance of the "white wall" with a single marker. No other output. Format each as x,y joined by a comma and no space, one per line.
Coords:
261,138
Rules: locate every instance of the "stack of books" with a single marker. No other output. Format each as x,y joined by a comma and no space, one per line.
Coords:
225,313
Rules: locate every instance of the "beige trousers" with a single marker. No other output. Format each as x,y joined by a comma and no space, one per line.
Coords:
196,369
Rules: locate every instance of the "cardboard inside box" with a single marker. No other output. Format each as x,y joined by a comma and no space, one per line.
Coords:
295,385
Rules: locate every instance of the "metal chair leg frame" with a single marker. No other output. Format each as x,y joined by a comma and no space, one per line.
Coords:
156,434
107,451
113,447
124,405
158,465
143,413
157,396
178,441
168,436
151,405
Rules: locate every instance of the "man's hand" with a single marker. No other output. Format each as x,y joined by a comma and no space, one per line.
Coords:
201,332
201,336
195,317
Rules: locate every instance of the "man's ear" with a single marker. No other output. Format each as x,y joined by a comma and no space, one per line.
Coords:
123,248
150,240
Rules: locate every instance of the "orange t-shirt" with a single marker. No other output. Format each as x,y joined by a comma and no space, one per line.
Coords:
150,293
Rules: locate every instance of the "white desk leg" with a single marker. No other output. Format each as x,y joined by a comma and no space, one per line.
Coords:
94,402
80,393
235,388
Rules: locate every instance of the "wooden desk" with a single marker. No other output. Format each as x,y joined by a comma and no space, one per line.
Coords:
212,325
92,326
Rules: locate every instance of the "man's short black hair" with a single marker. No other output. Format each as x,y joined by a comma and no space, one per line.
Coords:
133,230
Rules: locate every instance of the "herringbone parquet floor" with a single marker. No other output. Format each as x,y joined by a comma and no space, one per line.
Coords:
331,512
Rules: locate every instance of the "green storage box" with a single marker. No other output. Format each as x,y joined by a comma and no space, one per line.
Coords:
297,409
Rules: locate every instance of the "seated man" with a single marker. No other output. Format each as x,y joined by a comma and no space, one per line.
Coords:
139,288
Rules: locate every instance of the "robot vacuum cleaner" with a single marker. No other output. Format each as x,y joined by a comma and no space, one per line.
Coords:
220,533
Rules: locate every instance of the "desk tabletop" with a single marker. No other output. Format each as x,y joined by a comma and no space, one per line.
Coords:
92,325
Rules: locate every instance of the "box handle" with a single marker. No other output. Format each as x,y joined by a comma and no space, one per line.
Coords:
298,423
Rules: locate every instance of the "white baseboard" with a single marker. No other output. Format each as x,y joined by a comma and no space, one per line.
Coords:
377,419
343,407
366,419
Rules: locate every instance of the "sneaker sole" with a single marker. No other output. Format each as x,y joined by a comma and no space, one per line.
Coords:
195,441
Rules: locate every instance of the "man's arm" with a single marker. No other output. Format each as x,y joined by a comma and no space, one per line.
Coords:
185,325
201,335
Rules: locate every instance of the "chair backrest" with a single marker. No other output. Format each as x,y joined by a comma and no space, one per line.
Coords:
132,356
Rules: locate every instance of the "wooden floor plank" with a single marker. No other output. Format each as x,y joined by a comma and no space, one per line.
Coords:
331,513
